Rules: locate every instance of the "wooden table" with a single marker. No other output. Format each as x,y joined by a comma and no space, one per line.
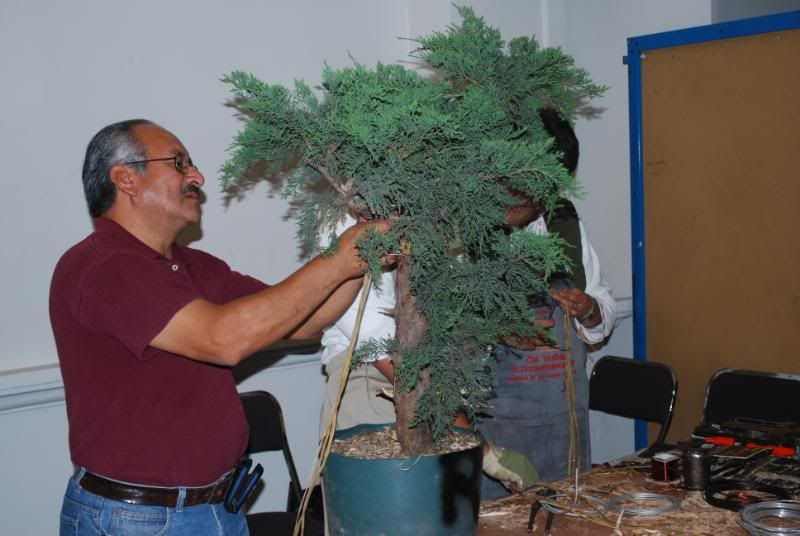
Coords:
509,516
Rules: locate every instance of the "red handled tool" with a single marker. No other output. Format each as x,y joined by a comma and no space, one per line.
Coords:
723,441
777,450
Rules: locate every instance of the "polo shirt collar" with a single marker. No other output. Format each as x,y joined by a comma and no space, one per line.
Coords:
119,234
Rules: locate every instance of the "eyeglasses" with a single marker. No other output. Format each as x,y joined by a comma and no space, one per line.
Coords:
182,163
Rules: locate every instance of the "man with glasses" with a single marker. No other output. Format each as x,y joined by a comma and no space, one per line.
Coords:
147,331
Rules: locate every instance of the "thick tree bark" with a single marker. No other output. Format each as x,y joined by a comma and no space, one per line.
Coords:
411,327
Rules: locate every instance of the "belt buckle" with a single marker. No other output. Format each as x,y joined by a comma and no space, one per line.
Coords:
221,486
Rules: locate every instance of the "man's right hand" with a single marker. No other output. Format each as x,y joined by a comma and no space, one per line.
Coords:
347,253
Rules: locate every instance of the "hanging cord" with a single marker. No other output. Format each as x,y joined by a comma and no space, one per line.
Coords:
574,457
618,524
330,429
595,510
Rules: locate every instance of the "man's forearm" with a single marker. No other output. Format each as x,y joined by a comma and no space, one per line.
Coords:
275,312
226,334
330,310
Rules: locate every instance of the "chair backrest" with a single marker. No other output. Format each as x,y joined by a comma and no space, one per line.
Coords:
635,389
749,395
268,433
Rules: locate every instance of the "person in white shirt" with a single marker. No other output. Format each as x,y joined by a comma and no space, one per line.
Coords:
360,402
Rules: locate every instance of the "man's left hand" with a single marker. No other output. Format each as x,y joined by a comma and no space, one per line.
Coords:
578,305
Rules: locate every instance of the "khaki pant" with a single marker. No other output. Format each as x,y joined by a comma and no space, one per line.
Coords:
360,405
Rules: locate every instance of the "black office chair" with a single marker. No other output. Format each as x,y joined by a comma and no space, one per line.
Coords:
752,405
268,433
635,389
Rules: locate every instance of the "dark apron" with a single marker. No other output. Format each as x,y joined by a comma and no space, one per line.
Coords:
530,413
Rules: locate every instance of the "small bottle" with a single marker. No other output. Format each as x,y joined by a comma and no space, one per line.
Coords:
696,463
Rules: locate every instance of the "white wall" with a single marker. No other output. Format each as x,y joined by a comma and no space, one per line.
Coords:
70,68
725,10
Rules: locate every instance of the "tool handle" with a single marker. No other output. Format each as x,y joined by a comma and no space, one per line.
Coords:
777,450
724,441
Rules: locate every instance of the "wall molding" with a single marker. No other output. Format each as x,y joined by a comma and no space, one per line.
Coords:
31,387
41,386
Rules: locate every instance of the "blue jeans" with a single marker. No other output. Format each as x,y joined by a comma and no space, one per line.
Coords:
86,514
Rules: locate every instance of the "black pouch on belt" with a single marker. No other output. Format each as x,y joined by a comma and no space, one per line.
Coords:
243,483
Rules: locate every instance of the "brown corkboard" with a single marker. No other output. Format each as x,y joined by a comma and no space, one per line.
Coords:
721,139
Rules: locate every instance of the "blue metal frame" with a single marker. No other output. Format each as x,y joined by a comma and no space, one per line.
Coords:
637,47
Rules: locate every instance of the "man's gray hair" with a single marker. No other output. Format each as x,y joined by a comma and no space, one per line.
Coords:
111,146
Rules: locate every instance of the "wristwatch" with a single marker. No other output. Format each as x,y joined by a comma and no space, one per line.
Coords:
588,315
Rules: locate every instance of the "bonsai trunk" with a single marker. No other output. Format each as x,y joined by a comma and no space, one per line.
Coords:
411,327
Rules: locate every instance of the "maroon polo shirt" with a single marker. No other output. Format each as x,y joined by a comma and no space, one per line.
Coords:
137,413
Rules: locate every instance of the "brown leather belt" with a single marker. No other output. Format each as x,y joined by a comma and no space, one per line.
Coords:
151,496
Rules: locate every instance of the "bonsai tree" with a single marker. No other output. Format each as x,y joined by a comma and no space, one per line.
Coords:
445,157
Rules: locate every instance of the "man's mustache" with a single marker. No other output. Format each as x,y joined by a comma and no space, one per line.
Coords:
191,189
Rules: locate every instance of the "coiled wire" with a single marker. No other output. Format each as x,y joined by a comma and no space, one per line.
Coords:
616,504
752,514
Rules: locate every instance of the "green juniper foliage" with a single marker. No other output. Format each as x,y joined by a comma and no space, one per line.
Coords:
439,156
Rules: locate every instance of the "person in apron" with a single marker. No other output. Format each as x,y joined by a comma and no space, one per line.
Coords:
530,411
